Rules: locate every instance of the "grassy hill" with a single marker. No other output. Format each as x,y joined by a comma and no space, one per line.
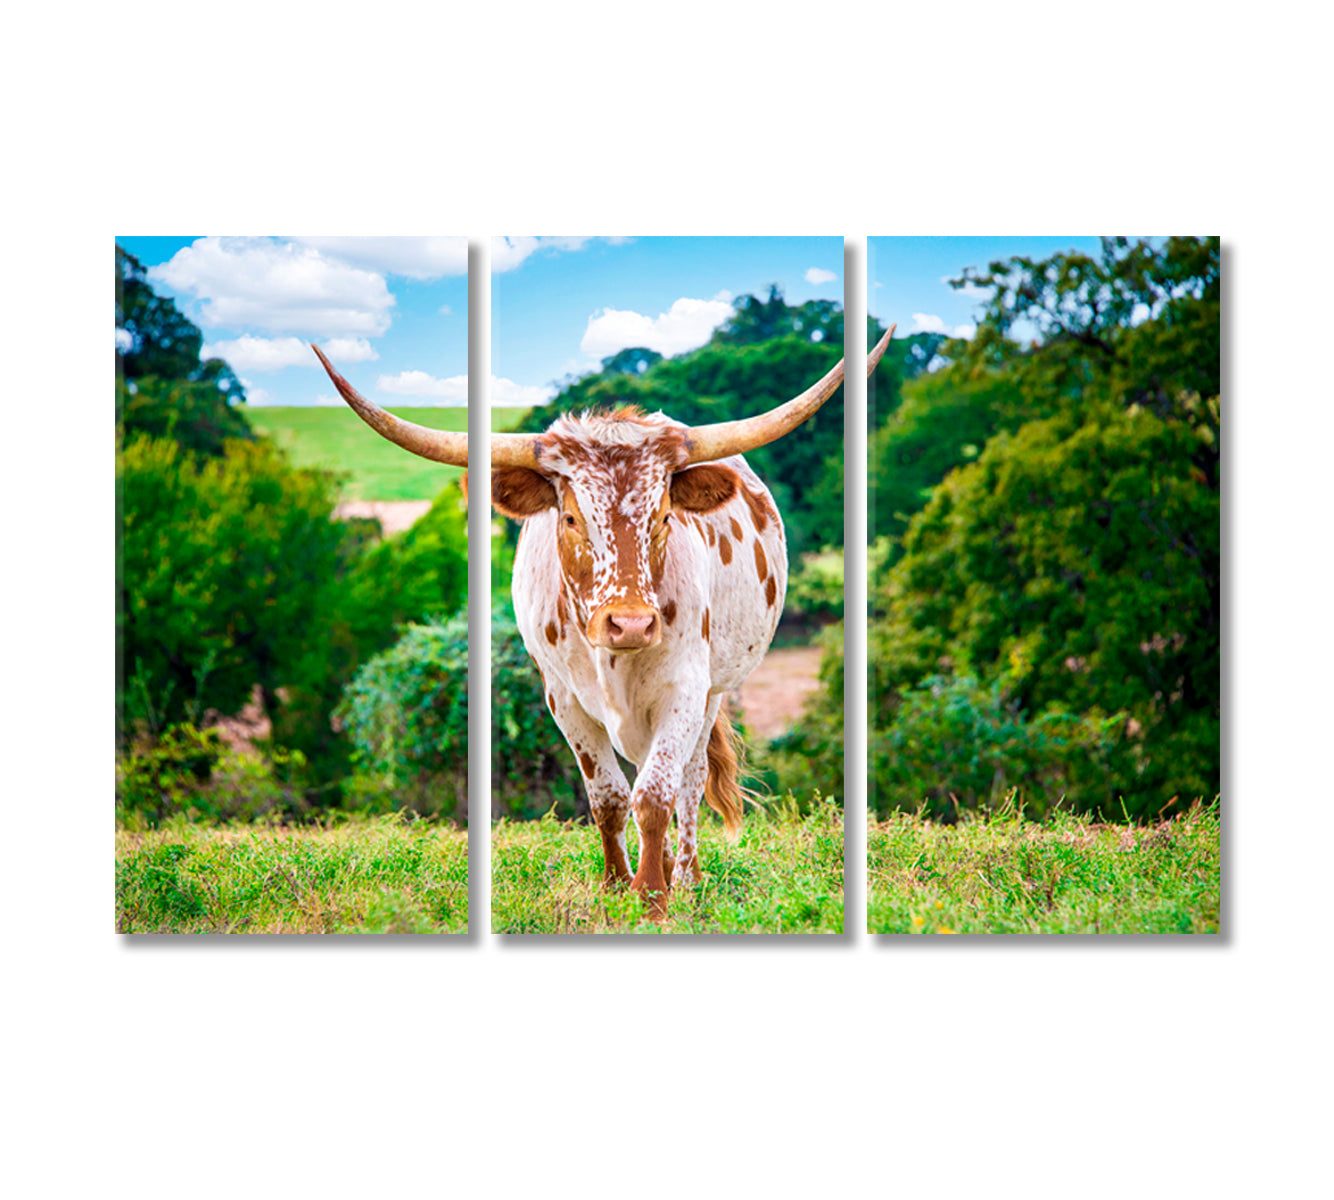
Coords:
338,440
1001,874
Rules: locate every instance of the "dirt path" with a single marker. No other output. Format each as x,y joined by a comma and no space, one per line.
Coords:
773,697
394,515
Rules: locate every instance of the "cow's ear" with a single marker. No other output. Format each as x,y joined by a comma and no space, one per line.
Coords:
705,488
519,492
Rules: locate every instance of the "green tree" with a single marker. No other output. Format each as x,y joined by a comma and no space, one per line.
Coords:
221,566
1045,590
754,320
633,361
163,389
1076,568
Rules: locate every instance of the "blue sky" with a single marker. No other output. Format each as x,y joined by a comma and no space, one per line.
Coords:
561,305
392,313
906,276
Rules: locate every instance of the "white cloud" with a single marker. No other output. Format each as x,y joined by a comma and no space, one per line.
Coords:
453,392
413,257
820,275
930,323
507,253
249,353
686,325
278,287
505,393
447,392
926,323
970,290
445,310
255,395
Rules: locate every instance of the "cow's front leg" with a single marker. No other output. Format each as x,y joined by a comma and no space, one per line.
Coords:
653,814
653,800
688,796
604,781
610,808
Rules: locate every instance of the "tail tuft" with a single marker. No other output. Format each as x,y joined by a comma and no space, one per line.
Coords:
722,791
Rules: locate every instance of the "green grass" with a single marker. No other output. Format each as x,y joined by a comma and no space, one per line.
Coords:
1002,874
339,440
784,875
382,876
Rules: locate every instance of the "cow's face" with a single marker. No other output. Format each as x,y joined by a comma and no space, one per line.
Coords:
617,489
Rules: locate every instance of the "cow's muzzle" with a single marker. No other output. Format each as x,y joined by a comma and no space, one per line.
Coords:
625,627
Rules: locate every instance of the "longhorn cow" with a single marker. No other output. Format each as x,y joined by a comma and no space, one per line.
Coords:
648,582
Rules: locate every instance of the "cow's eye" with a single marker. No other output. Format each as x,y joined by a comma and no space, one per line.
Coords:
666,517
569,520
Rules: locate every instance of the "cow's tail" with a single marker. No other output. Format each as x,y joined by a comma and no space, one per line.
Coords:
722,790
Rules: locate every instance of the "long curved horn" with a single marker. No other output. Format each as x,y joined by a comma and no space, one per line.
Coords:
708,443
507,449
873,359
435,444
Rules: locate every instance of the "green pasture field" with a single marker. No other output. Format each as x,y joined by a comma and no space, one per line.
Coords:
370,876
1001,874
784,875
339,440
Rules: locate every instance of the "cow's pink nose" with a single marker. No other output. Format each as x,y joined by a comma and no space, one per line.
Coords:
631,631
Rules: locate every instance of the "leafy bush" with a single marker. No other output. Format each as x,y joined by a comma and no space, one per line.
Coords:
532,769
816,588
419,575
406,712
192,773
955,745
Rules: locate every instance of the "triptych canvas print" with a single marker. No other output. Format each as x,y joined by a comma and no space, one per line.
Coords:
674,638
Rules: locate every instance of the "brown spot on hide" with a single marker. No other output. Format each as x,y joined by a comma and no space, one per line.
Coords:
705,627
710,533
613,662
669,611
551,632
562,609
737,531
760,509
771,590
551,702
587,765
705,488
724,549
761,563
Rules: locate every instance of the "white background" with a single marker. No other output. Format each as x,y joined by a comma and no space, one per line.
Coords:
481,1066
